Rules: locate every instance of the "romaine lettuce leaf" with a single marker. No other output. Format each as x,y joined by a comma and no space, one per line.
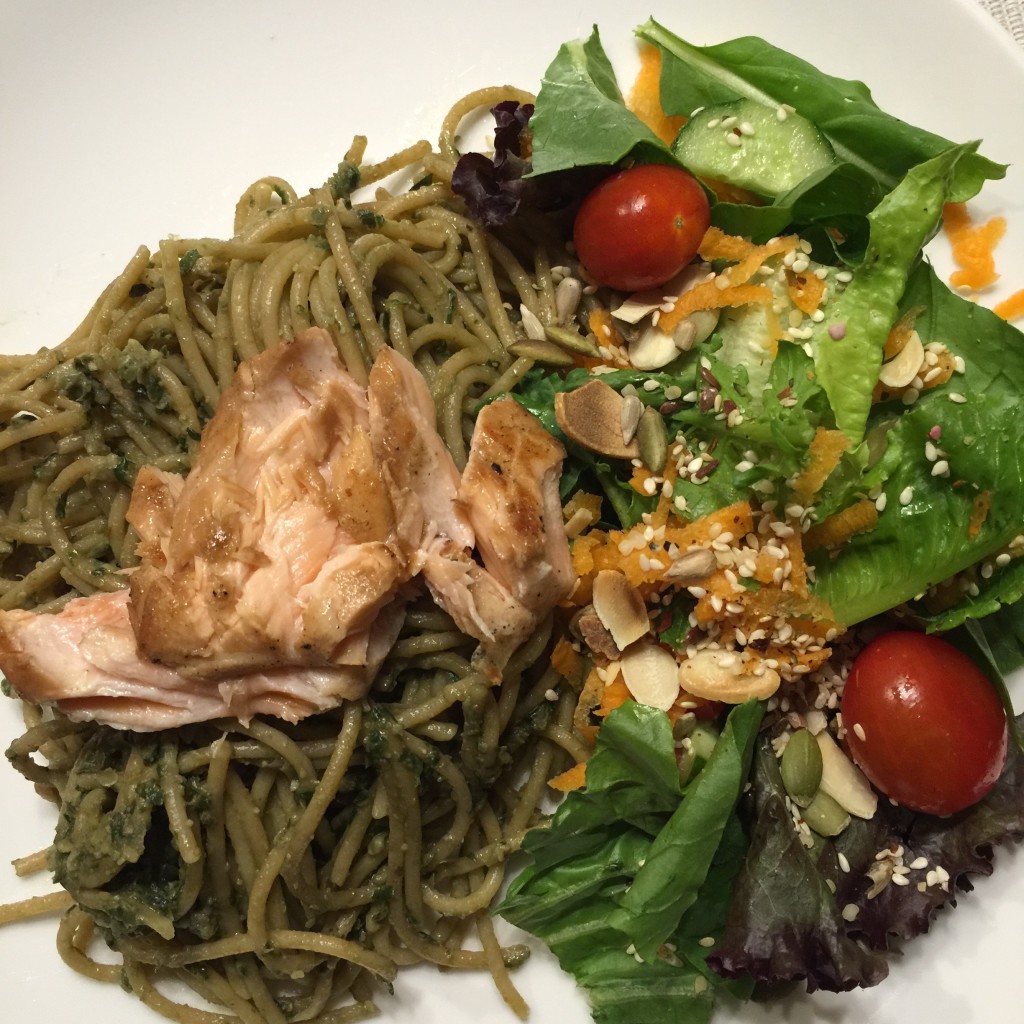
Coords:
931,537
900,225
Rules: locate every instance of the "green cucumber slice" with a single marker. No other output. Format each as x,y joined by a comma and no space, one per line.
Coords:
767,155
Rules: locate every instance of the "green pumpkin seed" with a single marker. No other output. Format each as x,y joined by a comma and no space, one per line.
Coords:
825,816
801,767
572,340
542,352
652,439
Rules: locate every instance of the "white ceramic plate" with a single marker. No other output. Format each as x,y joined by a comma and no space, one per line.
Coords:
123,122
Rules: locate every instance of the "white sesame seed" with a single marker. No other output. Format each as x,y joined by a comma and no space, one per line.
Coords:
844,276
880,502
919,864
900,880
1002,559
930,451
941,468
959,365
844,864
858,731
850,912
906,495
650,385
707,942
955,396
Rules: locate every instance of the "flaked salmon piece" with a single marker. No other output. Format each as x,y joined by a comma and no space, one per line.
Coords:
509,495
418,469
84,659
509,492
280,543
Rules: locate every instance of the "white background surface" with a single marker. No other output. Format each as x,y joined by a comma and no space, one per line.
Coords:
123,122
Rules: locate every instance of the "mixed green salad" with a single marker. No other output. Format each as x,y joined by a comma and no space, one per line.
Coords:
661,886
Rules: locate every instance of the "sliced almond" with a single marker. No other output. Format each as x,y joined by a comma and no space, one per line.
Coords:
620,607
725,676
653,349
641,304
651,675
844,781
905,365
592,417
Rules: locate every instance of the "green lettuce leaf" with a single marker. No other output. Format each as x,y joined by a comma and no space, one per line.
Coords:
930,538
900,225
627,827
580,118
882,147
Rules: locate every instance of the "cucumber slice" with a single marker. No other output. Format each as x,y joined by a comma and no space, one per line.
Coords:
766,156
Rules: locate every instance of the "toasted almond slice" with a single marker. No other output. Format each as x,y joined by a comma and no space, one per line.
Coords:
905,365
620,607
725,676
641,304
592,416
844,781
651,675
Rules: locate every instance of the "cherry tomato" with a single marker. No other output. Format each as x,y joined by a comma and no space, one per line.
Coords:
924,723
641,226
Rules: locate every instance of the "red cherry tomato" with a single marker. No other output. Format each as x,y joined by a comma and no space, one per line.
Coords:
640,227
924,723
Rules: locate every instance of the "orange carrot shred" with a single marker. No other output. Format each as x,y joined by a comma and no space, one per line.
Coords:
1011,308
973,246
645,97
574,778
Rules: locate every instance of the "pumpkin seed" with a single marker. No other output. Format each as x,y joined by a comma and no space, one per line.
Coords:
572,340
801,767
652,438
825,816
542,352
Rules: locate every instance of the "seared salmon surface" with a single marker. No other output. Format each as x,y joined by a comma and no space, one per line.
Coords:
273,578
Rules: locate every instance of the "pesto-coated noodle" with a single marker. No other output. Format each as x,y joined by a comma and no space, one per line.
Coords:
280,871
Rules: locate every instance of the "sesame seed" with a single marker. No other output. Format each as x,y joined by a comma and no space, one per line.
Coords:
650,385
880,502
941,468
959,365
931,453
919,864
1002,559
844,864
844,277
906,495
858,731
900,879
850,912
955,396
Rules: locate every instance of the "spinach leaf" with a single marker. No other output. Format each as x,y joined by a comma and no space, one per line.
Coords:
671,878
601,841
581,118
863,136
931,537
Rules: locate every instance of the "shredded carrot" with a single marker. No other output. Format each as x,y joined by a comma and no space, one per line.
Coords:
566,661
708,295
1011,308
645,97
825,451
973,246
616,693
717,245
979,513
860,517
805,290
574,778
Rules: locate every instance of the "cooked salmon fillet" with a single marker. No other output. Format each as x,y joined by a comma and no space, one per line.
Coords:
86,661
273,578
